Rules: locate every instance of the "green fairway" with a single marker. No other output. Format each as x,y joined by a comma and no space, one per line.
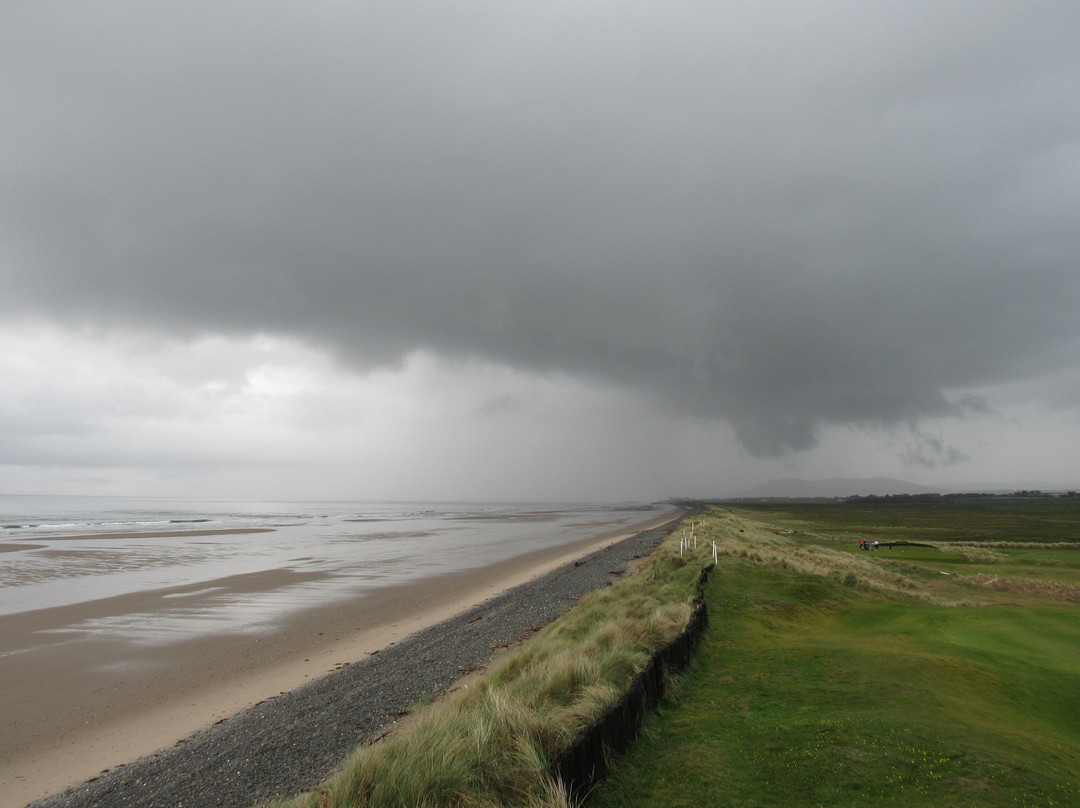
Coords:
818,686
989,519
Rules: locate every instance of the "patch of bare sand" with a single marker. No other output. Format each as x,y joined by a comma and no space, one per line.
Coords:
14,548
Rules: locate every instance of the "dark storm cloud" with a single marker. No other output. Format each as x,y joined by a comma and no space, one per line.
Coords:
782,215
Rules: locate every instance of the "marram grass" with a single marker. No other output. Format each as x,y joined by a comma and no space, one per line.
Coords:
493,743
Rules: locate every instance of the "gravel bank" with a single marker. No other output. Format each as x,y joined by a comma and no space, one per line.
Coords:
292,742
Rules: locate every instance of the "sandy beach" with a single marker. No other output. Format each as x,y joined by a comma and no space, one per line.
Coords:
82,715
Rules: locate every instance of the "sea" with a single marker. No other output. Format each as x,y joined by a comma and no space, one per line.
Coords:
211,561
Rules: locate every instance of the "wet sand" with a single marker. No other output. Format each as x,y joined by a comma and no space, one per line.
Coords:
83,713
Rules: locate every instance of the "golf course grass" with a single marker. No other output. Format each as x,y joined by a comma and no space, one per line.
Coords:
944,675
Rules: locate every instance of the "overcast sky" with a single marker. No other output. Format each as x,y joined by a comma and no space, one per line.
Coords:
564,250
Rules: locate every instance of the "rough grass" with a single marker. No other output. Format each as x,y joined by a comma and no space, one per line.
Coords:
905,686
492,744
982,520
762,543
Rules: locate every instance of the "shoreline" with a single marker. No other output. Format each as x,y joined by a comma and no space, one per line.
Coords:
74,735
139,534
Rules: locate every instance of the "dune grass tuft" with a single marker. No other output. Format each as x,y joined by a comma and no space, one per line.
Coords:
493,743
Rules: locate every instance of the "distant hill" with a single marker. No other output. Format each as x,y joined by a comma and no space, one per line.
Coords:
834,487
792,488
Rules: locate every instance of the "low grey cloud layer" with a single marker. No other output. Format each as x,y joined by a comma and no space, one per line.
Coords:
781,216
